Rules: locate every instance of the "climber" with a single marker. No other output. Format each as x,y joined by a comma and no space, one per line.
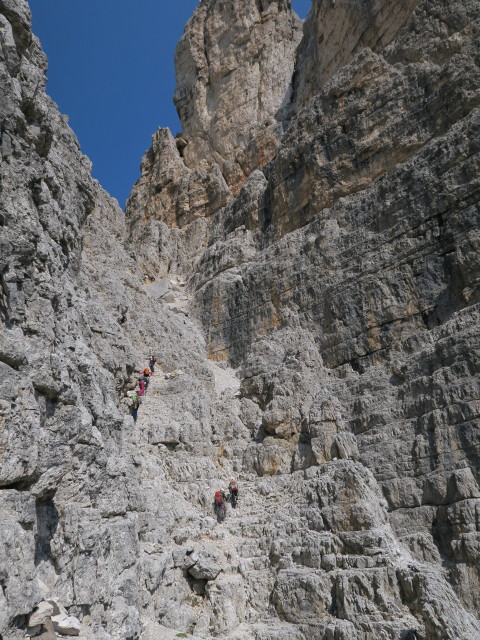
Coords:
233,489
146,377
151,361
134,408
219,505
141,386
220,497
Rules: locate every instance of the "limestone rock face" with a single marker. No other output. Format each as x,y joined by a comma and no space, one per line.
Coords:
335,32
77,320
335,281
311,291
234,68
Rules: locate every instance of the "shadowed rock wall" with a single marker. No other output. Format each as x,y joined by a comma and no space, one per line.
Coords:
335,32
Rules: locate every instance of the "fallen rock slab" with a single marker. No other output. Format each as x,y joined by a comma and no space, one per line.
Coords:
67,625
43,612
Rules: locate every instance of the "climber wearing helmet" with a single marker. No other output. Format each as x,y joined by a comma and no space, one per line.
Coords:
146,377
233,488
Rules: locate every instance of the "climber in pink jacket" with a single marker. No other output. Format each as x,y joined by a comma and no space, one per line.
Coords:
141,387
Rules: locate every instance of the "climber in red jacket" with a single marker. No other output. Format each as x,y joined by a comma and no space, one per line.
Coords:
220,505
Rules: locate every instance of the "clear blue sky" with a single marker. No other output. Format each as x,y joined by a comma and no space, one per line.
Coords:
111,71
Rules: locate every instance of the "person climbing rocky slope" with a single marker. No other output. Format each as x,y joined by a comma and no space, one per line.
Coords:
303,259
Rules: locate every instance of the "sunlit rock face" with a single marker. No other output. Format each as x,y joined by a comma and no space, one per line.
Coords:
234,68
304,261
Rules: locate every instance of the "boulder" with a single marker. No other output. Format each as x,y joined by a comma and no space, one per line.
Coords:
42,612
58,609
67,625
207,565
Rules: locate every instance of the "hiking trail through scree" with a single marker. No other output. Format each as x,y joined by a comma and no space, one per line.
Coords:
224,569
235,549
234,576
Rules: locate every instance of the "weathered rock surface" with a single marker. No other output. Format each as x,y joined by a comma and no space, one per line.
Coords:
66,625
338,282
335,32
313,298
72,301
234,68
43,611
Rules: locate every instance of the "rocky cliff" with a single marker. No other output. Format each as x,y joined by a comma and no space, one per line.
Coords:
303,258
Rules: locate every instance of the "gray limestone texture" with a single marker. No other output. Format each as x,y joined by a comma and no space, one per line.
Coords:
303,259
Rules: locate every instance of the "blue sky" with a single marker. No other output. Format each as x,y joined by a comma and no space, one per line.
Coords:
111,71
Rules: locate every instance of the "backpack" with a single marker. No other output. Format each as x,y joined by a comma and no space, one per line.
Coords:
218,498
233,486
